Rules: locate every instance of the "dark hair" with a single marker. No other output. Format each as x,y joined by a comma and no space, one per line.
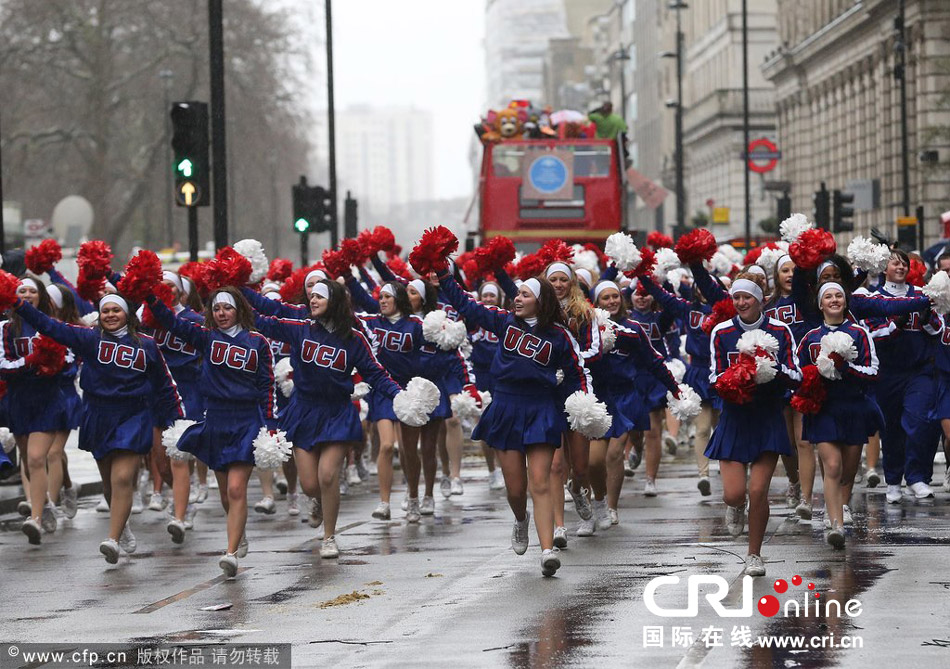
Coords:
902,255
193,300
339,318
549,307
431,298
68,313
45,305
132,322
503,300
245,316
401,295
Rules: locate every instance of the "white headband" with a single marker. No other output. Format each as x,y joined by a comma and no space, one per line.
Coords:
782,260
173,279
269,286
319,273
585,275
534,286
755,269
489,289
29,282
558,267
272,296
109,286
602,286
823,266
112,298
746,286
387,289
321,289
830,285
186,285
55,295
420,287
224,298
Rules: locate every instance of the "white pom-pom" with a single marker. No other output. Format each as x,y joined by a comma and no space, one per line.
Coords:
622,251
465,408
413,405
731,253
763,347
793,227
271,450
486,398
607,329
768,259
170,439
687,406
666,262
91,319
465,348
868,255
585,259
834,342
364,410
253,250
938,290
721,264
677,369
360,390
284,374
586,415
676,276
7,440
447,334
559,376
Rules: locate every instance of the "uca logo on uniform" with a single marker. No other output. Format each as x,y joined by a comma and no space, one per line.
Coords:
767,605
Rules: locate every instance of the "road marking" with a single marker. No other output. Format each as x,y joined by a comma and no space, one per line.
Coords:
184,594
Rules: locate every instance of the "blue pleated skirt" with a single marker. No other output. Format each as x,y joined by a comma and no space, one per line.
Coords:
380,407
52,406
652,392
225,436
745,431
845,420
941,408
514,420
620,423
120,425
310,421
629,403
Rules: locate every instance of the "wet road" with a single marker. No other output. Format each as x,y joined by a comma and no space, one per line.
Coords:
451,592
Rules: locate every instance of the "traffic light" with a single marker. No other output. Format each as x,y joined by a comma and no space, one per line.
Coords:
311,207
191,166
841,214
822,210
784,207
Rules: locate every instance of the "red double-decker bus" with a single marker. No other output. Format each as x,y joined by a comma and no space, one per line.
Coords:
585,186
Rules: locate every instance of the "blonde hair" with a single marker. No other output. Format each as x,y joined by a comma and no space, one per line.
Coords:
577,310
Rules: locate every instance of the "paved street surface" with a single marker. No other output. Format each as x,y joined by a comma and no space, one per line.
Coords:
450,592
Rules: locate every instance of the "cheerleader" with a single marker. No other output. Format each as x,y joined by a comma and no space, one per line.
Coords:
847,416
752,435
525,421
484,343
321,419
237,381
124,376
42,405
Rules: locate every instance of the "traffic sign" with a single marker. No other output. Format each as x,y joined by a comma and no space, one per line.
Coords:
906,220
189,194
720,215
763,155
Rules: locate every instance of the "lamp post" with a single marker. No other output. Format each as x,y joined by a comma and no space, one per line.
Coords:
676,6
166,76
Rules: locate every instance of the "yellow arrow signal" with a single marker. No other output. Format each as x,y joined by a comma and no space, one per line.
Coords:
188,190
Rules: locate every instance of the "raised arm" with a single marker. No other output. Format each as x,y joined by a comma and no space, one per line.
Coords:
709,287
83,306
367,278
272,307
281,329
487,317
871,306
361,299
506,283
184,329
670,303
382,268
80,339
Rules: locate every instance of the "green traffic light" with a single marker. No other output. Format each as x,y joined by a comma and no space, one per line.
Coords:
302,225
185,167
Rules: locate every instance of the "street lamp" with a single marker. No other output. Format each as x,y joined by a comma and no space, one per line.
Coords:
619,56
677,5
167,76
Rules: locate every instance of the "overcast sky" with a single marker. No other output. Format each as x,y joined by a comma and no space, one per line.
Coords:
426,53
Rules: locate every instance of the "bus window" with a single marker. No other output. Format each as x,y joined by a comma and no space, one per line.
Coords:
591,161
506,161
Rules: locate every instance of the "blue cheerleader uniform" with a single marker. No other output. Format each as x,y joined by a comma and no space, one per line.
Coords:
267,307
941,408
656,324
122,377
185,365
399,345
454,377
320,410
237,381
36,403
527,406
484,345
848,415
745,431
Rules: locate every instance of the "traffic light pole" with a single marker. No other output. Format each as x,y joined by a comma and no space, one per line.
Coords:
331,123
3,232
218,143
745,123
304,249
193,234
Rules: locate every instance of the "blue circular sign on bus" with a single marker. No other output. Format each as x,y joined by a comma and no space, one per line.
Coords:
548,174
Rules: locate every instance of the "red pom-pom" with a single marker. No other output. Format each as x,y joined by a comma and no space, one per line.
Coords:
601,256
432,252
336,262
163,292
353,252
89,289
8,288
722,311
752,256
737,383
280,269
197,272
646,266
696,246
399,267
554,250
813,248
228,268
292,292
530,266
48,356
95,259
811,394
916,273
42,257
658,240
384,240
142,274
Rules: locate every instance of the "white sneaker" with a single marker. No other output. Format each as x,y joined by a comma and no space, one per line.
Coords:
127,540
266,505
586,528
292,508
137,504
601,518
649,488
156,502
874,478
735,520
143,485
835,537
373,468
793,495
581,502
614,516
110,550
427,508
519,535
550,562
445,487
31,528
229,565
921,490
803,510
405,503
48,520
894,494
670,443
560,537
705,489
412,511
24,508
242,547
754,566
946,480
202,493
70,500
176,528
382,512
353,478
103,505
496,480
847,518
190,511
457,488
344,486
316,513
329,550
